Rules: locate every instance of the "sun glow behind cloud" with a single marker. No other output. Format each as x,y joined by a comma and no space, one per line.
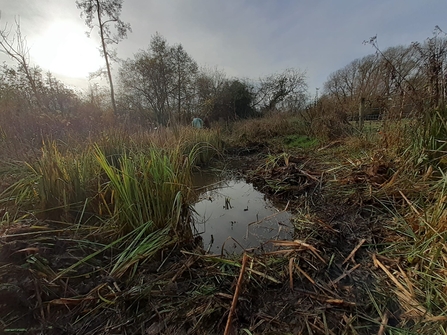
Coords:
65,49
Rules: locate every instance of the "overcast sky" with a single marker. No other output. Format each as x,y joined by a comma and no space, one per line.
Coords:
244,38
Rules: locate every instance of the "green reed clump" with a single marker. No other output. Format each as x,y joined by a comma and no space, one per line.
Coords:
114,144
121,181
132,250
147,187
138,247
58,180
208,142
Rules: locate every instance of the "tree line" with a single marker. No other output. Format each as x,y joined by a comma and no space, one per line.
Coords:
164,85
399,80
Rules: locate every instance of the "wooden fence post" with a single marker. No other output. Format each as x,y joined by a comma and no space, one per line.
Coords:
361,113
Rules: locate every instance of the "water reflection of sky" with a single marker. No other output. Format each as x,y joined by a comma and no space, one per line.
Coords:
249,221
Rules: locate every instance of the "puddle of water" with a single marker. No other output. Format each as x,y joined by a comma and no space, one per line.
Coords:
232,216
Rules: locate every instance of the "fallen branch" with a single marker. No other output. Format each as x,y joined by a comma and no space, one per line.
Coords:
329,145
236,295
340,302
309,175
291,272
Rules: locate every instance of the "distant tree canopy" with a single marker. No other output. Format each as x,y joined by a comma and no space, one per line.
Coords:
164,84
160,82
53,95
399,79
233,101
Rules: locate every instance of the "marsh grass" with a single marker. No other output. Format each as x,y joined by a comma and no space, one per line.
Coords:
300,142
58,180
147,187
137,188
120,180
400,171
131,250
205,143
424,227
415,196
260,131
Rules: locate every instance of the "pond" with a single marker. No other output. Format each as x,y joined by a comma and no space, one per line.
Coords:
232,216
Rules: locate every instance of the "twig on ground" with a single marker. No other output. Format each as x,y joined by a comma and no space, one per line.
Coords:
305,274
329,145
291,272
345,274
352,254
383,324
309,175
236,294
297,245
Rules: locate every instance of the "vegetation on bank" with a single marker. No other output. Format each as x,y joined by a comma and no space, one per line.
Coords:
120,203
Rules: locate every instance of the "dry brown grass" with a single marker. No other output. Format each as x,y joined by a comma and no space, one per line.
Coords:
261,131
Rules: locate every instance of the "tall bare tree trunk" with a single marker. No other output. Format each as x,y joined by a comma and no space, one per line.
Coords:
106,57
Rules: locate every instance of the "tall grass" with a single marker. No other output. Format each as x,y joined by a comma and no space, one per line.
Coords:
413,189
205,144
418,272
147,187
60,181
416,195
263,130
123,181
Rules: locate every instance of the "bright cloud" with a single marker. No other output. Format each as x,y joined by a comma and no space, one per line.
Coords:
65,49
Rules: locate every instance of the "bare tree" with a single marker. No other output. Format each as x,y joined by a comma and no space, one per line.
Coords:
15,47
383,79
209,83
107,12
161,81
276,88
150,76
433,56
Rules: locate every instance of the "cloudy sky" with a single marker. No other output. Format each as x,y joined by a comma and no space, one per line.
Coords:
244,38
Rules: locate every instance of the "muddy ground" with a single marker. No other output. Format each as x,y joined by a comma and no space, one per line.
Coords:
323,283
